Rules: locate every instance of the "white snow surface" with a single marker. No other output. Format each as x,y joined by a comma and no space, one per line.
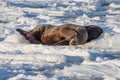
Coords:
96,60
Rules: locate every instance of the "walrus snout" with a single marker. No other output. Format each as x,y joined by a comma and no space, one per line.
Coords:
93,32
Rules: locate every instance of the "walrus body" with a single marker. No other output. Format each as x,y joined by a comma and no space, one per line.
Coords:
67,34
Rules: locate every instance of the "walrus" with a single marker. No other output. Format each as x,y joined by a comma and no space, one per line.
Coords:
66,34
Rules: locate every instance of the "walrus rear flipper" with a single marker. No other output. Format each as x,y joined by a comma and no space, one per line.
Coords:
22,32
29,38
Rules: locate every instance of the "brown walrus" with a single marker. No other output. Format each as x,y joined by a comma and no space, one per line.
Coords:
67,34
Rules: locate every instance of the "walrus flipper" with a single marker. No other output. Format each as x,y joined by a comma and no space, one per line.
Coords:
22,32
29,38
62,42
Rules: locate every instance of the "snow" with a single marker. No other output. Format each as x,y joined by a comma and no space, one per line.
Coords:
96,60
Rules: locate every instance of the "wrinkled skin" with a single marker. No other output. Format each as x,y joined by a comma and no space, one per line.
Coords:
67,34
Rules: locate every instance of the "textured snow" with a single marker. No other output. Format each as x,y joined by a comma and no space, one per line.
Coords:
96,60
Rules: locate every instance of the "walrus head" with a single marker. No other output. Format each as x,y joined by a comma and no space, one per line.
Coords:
93,32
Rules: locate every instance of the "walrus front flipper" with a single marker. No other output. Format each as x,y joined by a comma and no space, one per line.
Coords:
29,38
62,42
